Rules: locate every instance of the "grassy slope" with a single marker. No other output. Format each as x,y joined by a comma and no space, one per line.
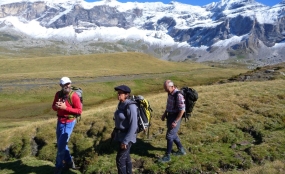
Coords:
93,66
234,126
34,80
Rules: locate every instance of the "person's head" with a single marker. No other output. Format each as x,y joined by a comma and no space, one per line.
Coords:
169,86
123,92
65,84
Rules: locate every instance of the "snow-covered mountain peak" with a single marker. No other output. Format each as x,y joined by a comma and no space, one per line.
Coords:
236,1
2,2
281,3
236,4
225,23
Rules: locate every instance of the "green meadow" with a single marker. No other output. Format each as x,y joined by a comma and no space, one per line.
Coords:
235,127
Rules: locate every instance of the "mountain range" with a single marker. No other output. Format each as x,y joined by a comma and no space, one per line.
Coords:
229,30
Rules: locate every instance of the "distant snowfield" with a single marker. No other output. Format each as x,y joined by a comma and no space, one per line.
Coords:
230,41
48,1
35,30
197,16
279,45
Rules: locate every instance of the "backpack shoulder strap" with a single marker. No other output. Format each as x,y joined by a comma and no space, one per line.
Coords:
175,97
69,98
176,94
126,108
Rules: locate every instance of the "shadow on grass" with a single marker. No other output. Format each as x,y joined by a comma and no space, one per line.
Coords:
141,148
19,167
105,147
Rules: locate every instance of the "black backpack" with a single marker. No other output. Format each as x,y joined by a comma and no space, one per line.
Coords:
144,112
191,96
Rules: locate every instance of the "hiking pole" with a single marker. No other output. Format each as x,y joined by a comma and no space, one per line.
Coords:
148,139
149,121
148,127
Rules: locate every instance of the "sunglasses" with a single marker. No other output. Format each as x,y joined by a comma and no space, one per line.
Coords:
66,84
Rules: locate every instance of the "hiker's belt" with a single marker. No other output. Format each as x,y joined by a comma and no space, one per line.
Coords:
172,113
120,130
69,117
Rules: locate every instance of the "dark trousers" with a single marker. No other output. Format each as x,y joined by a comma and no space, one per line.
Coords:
123,160
171,134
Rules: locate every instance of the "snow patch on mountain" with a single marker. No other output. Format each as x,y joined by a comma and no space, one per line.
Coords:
115,33
279,45
33,28
227,42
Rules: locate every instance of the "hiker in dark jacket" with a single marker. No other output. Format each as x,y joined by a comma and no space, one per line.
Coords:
125,129
173,113
66,122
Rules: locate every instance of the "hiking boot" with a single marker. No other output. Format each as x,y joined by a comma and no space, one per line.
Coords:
180,151
70,165
165,158
57,170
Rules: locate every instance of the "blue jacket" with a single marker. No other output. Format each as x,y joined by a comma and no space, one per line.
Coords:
126,120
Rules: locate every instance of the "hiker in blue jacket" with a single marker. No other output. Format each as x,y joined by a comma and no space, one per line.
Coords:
173,113
125,129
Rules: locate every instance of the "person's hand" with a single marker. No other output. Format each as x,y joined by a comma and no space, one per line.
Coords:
58,103
123,146
174,124
61,105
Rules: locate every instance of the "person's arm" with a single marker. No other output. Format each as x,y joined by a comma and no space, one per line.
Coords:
164,115
54,104
76,109
179,116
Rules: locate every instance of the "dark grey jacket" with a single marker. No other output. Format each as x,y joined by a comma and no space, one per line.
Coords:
126,120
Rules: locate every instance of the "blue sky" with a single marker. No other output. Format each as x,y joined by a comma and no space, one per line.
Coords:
194,2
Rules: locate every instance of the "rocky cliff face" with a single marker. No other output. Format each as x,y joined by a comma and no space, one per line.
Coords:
103,15
218,31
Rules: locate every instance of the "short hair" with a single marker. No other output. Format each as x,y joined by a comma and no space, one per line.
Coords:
169,83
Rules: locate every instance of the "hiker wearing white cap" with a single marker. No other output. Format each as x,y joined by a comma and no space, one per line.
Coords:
66,122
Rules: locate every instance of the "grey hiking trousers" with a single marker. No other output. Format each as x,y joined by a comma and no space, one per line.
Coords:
171,134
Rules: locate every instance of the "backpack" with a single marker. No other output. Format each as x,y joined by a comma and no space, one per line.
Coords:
79,92
144,112
191,96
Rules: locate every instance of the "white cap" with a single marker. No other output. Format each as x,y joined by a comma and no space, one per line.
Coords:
64,80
